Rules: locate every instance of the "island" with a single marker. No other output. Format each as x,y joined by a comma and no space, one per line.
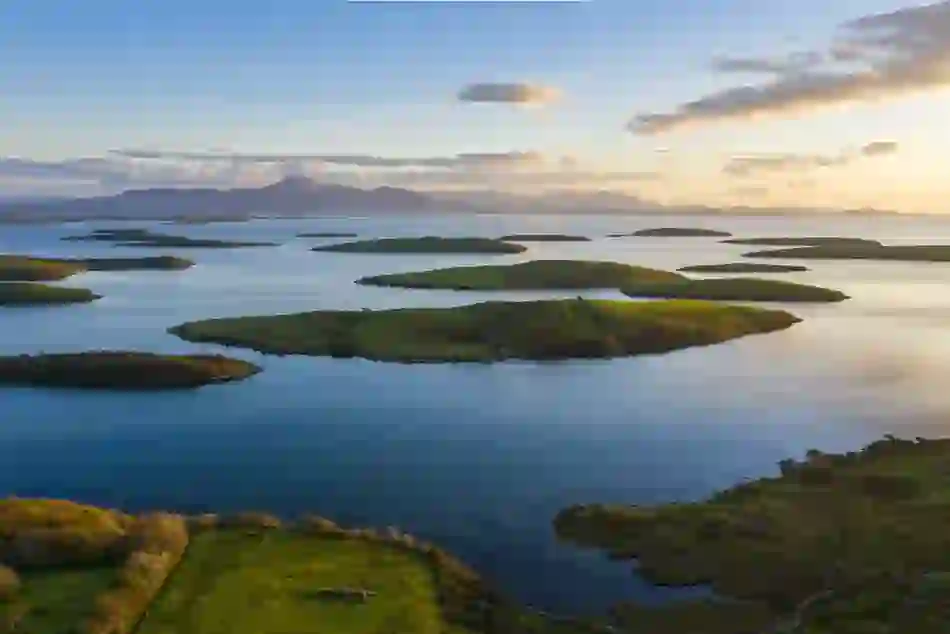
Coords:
23,268
674,232
326,234
543,237
35,294
493,331
805,241
426,245
743,267
857,251
71,567
151,239
850,542
737,289
122,370
525,276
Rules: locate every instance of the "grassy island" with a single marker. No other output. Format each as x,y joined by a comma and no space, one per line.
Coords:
326,234
861,251
122,370
543,237
738,289
674,232
744,267
148,238
33,294
22,268
493,331
805,241
425,245
534,275
836,543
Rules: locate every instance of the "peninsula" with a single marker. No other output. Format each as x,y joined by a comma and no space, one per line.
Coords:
745,289
24,268
861,251
743,267
674,232
35,294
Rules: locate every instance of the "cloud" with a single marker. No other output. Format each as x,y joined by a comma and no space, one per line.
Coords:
754,164
518,93
875,57
794,62
879,148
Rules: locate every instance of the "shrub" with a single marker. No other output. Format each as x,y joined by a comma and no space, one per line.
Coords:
9,583
251,520
315,525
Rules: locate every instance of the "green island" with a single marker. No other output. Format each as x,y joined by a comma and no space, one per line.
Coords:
122,370
69,567
23,268
543,237
674,232
834,544
860,251
326,234
806,241
493,331
743,267
425,245
533,275
737,289
148,238
34,294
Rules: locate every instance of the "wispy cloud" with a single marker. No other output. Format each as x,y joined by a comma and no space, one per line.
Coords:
873,58
756,164
515,93
879,148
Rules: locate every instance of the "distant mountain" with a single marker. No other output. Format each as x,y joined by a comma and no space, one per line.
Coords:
293,196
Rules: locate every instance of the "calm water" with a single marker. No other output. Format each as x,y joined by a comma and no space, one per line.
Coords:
477,458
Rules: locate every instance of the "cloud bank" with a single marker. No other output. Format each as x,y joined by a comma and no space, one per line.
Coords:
517,93
873,58
756,164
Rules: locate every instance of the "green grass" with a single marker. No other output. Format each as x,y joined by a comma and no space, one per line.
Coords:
743,267
674,232
806,241
122,370
152,239
534,275
836,541
425,245
35,294
22,268
543,237
234,583
859,251
55,601
493,331
735,290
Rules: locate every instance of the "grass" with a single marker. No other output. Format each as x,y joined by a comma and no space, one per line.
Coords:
743,267
806,241
122,370
736,289
55,601
543,237
148,238
493,331
35,294
836,543
674,232
861,251
534,275
22,268
425,245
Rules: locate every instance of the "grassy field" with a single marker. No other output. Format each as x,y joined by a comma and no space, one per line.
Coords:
493,331
743,267
425,245
735,290
35,294
860,251
55,601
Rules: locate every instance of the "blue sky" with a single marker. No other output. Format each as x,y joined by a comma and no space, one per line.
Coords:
336,77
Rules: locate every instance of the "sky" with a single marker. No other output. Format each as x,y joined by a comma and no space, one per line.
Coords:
842,103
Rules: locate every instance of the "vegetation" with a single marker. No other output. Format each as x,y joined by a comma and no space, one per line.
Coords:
493,331
534,275
743,267
908,253
805,241
23,268
836,543
674,232
326,234
543,237
745,289
425,245
121,370
33,294
148,238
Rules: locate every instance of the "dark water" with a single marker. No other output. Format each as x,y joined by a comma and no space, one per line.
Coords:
477,458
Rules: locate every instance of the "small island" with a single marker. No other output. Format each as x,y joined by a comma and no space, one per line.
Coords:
493,331
34,294
743,267
533,275
543,237
151,239
738,289
674,232
23,268
805,241
860,251
832,543
426,245
122,370
327,234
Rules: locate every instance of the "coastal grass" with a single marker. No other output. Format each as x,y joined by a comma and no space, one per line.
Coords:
860,251
852,542
23,268
674,232
493,331
735,289
543,237
122,370
35,294
426,245
152,239
534,275
743,267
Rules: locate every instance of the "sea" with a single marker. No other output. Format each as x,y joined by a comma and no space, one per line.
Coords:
477,458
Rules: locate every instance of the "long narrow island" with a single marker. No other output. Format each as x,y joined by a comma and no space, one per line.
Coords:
26,294
25,268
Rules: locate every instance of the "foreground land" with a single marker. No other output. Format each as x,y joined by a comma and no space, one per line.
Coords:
736,289
425,245
23,268
835,544
743,267
122,370
861,251
493,331
674,232
152,239
35,294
